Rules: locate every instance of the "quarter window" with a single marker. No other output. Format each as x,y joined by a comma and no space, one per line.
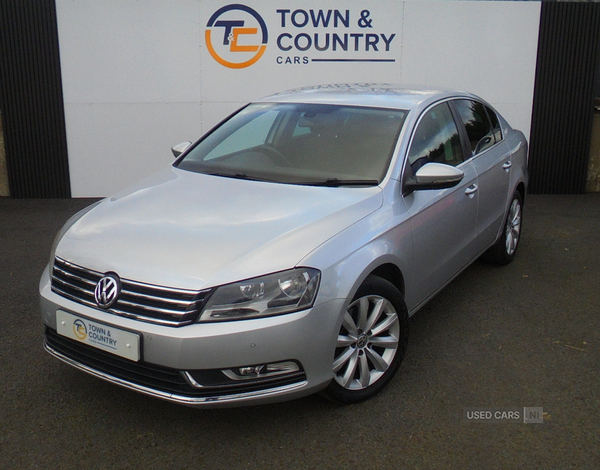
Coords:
477,124
436,139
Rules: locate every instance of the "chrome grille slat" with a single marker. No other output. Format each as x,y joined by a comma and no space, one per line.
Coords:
161,288
137,295
123,313
71,286
155,304
124,303
71,276
74,298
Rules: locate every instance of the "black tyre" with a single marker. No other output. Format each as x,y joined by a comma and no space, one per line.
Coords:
504,250
371,343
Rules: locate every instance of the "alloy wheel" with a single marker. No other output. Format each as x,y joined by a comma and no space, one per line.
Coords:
367,342
513,227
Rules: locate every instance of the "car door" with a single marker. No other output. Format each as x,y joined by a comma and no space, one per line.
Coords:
491,160
443,222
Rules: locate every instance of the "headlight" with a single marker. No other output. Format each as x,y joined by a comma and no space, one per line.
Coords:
274,294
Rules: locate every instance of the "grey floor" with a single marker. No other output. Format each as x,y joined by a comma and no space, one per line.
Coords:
524,335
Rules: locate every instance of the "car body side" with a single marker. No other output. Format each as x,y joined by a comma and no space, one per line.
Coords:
383,241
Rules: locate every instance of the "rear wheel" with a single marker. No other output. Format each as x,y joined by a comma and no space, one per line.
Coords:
504,250
371,342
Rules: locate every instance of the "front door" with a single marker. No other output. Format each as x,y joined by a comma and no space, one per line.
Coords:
443,221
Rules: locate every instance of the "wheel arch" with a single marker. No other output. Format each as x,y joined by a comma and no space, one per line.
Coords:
521,190
386,267
391,273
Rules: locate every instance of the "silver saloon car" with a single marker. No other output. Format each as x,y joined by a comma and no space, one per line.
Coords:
283,253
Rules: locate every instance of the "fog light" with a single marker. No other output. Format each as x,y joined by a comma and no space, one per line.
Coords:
261,371
251,371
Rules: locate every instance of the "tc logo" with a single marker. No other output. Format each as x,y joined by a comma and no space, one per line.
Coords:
79,329
236,36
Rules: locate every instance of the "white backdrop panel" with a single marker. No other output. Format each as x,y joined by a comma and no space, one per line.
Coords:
117,144
138,76
487,48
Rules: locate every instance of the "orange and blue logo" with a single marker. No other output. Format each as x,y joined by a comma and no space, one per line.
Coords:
80,329
236,36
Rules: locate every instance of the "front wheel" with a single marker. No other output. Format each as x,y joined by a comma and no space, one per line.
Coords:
371,342
504,250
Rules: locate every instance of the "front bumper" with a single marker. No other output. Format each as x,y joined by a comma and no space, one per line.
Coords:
183,364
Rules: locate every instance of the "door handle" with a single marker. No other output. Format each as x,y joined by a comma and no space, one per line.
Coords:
507,165
471,190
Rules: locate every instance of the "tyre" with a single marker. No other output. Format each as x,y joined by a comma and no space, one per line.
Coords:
371,342
504,250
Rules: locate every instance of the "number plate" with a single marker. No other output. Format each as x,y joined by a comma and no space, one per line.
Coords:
98,335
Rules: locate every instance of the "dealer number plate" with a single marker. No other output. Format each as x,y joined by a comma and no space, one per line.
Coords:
98,335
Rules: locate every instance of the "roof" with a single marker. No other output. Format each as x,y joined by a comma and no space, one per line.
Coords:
382,95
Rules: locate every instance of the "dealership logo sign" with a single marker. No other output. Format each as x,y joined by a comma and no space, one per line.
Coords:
236,36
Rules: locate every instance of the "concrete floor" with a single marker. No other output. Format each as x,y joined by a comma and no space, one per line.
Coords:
523,335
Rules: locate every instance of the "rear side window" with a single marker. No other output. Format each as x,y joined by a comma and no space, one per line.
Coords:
436,139
479,128
496,129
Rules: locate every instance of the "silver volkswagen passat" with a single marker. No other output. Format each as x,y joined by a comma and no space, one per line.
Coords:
283,253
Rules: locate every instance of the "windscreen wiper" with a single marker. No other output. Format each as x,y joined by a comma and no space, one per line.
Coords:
335,182
239,176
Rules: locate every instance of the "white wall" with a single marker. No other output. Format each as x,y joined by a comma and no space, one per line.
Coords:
138,78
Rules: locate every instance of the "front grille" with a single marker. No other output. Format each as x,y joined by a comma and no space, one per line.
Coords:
155,304
159,378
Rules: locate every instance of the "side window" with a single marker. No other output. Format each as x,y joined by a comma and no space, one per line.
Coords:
436,139
477,124
496,129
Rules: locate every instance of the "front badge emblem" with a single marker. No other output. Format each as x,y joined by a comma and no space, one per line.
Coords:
107,291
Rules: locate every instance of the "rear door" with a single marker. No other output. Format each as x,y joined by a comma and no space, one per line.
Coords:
492,163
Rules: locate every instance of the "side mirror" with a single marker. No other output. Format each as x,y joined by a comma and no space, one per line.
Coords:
180,148
435,176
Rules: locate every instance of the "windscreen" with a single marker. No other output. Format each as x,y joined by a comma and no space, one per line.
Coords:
311,144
